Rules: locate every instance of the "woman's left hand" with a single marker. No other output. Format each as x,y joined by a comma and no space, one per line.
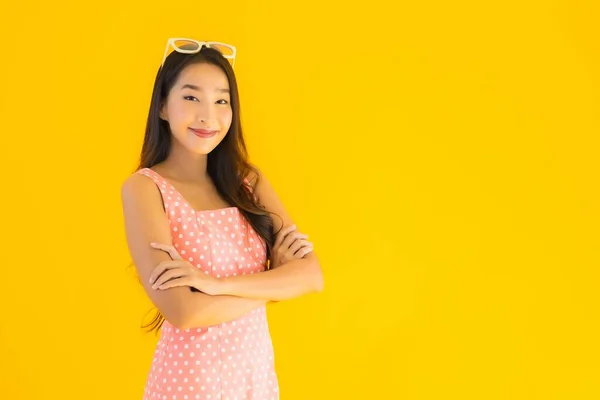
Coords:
179,272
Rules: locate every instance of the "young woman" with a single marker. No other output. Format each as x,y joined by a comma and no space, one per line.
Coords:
211,241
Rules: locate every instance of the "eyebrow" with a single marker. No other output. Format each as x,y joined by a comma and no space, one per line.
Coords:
194,87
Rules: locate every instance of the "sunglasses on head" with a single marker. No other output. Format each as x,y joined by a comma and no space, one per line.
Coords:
191,46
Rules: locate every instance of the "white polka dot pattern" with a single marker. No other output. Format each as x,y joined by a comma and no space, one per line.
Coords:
229,361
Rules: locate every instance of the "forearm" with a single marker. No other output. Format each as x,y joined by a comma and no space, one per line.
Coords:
292,279
205,310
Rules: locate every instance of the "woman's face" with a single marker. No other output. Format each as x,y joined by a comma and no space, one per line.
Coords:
199,100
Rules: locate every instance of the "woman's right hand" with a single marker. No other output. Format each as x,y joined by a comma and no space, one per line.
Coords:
289,245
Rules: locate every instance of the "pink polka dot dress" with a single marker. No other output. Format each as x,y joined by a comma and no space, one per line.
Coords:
232,360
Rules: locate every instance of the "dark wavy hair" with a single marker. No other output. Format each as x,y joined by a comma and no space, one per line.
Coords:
227,165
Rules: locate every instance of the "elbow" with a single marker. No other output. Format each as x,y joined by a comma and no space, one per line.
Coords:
178,321
181,324
183,310
186,323
189,320
318,282
314,274
193,319
180,317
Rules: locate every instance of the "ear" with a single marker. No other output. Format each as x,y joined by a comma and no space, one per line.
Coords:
163,111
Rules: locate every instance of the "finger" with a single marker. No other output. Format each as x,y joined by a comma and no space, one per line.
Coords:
291,238
283,234
299,243
182,281
170,250
168,275
303,251
162,267
167,248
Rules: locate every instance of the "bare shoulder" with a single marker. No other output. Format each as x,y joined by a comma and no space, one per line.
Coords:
144,210
139,188
137,185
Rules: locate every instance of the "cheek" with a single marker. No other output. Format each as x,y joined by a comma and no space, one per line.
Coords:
225,118
180,112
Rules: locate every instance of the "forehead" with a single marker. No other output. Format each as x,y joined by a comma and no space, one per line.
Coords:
203,75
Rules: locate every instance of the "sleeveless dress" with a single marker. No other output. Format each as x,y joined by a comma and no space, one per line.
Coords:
229,361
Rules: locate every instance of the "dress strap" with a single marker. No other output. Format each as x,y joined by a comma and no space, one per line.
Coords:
163,185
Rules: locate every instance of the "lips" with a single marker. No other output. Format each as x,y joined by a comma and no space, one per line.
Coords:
204,132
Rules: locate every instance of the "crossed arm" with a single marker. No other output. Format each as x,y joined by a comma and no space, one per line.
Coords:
146,222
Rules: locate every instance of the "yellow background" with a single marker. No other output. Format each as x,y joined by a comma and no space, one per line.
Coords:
442,156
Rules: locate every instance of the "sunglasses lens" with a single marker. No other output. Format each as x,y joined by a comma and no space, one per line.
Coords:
186,45
225,50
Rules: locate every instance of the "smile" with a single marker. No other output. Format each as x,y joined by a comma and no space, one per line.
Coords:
203,133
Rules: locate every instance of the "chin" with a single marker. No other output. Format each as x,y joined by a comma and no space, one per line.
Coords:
201,150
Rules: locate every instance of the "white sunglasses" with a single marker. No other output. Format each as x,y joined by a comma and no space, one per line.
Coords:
191,46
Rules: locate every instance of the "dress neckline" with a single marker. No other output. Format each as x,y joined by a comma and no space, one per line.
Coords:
185,200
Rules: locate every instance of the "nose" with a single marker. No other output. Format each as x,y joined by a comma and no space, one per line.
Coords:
206,114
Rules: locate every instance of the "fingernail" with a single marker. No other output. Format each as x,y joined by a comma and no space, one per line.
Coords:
152,244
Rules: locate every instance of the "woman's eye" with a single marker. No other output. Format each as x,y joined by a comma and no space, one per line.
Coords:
193,98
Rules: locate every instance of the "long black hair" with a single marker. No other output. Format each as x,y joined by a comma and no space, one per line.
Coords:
227,165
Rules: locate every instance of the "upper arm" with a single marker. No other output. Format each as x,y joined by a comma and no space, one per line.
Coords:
267,197
146,222
270,200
